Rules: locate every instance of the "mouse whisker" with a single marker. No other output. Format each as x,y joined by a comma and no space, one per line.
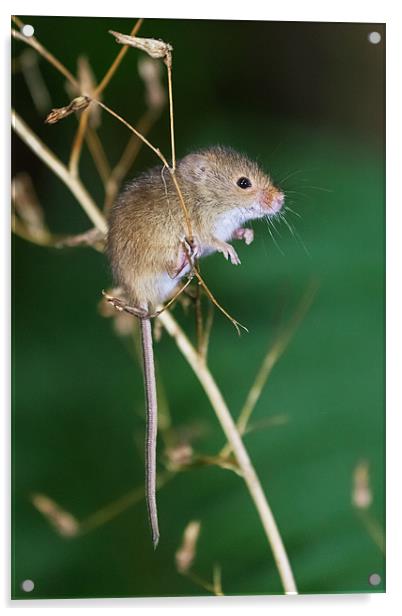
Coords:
289,209
287,223
290,175
295,192
266,218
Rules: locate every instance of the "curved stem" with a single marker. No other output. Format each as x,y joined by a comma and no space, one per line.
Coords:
232,434
49,158
111,71
33,42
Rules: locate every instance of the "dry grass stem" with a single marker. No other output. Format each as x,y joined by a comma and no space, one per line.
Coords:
362,496
199,321
206,333
62,521
33,42
272,356
243,460
87,80
159,155
78,142
168,62
115,508
185,557
150,73
113,68
49,158
132,149
267,422
373,528
98,155
68,526
93,238
362,499
213,299
34,80
186,553
217,580
28,209
135,131
19,229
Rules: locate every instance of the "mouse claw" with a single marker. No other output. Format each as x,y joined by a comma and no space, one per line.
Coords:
121,305
193,247
228,252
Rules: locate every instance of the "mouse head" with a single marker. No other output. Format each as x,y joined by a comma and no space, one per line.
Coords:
230,180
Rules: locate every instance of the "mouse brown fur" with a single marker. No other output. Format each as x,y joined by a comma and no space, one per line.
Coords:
150,250
147,225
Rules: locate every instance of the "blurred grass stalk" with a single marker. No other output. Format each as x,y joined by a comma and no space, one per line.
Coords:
70,176
185,556
362,499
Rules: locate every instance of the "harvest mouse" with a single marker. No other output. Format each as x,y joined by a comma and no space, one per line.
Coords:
150,250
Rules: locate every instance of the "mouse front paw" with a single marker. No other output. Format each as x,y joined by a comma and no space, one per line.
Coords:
188,252
192,247
244,234
228,252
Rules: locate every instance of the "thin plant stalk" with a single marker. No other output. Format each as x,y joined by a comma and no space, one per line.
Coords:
127,158
83,123
59,169
33,42
232,434
271,358
170,89
98,154
113,68
78,142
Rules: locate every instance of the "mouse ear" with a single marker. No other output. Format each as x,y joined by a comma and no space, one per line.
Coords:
193,167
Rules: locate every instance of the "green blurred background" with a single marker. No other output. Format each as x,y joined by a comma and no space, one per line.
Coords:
306,100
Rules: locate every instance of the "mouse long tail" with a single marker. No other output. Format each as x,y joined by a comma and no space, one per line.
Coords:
151,426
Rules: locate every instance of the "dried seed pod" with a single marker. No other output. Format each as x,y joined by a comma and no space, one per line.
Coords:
77,104
187,551
155,48
63,522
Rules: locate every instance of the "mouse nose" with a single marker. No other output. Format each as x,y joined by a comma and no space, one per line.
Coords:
277,202
273,200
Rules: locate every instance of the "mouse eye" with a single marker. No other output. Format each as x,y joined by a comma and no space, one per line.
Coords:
243,182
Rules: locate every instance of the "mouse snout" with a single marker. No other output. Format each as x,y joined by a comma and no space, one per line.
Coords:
273,200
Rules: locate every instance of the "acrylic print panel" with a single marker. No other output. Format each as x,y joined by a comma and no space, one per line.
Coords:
305,102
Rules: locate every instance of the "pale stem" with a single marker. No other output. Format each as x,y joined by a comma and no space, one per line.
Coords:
133,130
77,144
108,76
159,155
127,158
169,70
98,154
271,358
49,158
246,467
32,41
83,124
